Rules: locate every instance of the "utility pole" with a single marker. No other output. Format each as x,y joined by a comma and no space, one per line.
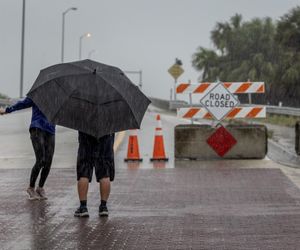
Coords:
22,50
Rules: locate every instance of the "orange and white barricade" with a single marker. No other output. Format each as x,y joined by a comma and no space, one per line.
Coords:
237,112
233,87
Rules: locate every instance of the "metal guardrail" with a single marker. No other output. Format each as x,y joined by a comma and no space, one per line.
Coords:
283,111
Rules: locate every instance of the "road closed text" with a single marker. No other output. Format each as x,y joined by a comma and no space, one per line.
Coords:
220,100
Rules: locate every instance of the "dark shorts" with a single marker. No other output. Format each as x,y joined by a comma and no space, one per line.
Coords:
95,153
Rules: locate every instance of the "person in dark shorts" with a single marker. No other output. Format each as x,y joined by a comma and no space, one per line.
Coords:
42,134
95,153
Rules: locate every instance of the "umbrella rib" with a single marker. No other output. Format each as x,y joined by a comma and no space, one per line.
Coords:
68,96
120,95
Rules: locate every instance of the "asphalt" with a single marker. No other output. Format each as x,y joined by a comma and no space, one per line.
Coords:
220,204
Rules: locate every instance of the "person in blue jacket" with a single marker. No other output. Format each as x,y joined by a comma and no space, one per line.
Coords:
42,134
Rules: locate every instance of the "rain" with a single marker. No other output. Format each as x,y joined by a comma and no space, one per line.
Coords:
150,124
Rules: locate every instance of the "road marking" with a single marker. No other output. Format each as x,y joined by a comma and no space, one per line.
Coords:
119,139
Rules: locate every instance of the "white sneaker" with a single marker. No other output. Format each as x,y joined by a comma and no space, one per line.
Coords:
32,194
41,193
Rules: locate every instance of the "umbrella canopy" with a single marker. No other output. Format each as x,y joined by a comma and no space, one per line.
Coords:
89,96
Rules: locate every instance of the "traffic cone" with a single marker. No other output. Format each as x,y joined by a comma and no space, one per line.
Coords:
159,150
133,153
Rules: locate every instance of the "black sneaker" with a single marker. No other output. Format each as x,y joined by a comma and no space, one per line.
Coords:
81,212
103,211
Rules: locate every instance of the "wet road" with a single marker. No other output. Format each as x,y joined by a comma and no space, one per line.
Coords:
178,205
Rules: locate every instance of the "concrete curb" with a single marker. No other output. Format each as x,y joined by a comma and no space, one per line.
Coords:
281,155
297,138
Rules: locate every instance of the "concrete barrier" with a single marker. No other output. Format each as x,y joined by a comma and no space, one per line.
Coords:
190,142
297,138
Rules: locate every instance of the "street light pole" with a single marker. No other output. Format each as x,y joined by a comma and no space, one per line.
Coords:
63,32
22,50
80,42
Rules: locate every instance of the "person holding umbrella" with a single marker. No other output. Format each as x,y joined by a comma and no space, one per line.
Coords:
98,100
42,134
95,153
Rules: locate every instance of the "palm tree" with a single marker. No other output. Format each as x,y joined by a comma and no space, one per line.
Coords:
206,61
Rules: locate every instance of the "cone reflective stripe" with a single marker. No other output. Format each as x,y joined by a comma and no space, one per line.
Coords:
159,149
133,153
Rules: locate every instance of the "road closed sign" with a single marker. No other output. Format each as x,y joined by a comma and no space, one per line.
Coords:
219,101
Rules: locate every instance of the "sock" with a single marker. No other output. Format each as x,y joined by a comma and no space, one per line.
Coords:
83,203
103,203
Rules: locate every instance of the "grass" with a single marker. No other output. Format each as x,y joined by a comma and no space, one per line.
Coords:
282,120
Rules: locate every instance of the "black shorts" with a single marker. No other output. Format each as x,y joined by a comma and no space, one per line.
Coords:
95,153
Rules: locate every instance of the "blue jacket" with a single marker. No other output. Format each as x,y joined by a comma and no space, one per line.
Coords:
38,119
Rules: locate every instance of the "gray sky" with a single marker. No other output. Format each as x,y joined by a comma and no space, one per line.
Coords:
142,35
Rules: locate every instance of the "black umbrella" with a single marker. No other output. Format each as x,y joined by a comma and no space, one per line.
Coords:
88,96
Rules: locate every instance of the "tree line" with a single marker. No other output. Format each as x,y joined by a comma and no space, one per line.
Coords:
256,50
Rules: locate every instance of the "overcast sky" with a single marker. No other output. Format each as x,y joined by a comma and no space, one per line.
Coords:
133,35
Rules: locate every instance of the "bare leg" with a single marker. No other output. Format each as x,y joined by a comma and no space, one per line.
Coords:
104,186
83,187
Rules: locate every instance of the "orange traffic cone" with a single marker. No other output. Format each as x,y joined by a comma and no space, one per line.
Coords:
159,150
133,153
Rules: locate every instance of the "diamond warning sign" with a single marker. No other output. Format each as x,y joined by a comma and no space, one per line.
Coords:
219,101
221,141
175,71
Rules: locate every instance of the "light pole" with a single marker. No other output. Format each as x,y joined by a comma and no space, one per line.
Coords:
22,50
63,32
80,42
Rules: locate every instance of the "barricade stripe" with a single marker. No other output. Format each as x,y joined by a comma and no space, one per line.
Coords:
243,88
253,113
261,89
227,84
233,112
191,113
207,116
202,87
181,87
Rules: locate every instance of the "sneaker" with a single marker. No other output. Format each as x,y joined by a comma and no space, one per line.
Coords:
81,212
41,192
103,211
32,194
